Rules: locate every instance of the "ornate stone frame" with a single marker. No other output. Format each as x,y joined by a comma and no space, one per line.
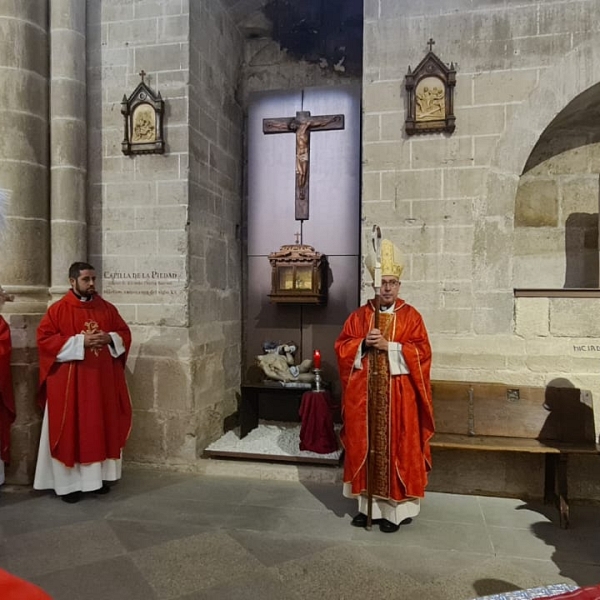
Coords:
430,110
143,127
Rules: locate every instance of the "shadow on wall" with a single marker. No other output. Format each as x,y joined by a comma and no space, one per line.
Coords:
569,419
581,250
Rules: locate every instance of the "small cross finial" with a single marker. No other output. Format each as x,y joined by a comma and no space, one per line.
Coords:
297,237
142,74
430,43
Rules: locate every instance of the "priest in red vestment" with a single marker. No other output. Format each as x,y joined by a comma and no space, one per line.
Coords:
83,344
385,375
7,400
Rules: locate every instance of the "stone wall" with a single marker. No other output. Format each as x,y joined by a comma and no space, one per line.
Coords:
267,67
450,201
163,227
138,205
215,218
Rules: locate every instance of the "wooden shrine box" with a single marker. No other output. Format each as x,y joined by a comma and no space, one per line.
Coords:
298,275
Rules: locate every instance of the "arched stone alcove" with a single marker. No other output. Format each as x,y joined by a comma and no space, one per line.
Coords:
556,204
549,133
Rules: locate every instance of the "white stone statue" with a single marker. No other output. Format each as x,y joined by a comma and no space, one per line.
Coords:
278,364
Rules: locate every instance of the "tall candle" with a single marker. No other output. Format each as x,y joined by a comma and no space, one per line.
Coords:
316,359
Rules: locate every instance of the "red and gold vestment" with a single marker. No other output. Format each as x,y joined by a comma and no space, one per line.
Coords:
400,405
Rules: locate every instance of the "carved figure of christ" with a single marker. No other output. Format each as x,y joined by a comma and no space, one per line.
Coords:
302,125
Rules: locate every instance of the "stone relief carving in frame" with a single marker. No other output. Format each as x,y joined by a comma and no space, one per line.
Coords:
430,89
143,127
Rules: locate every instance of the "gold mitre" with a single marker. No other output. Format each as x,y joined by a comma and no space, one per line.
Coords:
392,262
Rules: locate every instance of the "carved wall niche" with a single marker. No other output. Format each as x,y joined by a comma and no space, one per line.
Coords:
430,89
143,127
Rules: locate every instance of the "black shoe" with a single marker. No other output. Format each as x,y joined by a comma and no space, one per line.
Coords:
387,526
360,520
71,498
103,490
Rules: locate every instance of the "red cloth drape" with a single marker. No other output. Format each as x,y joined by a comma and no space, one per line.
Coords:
586,593
410,407
13,588
317,433
89,410
7,399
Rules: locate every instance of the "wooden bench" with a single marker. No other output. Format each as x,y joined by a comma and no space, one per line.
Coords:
493,417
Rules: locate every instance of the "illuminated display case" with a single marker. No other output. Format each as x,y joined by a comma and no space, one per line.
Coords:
299,275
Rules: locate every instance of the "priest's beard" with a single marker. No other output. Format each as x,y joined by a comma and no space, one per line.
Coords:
87,293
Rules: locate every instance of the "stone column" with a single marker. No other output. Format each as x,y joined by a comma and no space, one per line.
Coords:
24,150
68,134
24,240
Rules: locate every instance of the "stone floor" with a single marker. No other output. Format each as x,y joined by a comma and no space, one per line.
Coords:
191,536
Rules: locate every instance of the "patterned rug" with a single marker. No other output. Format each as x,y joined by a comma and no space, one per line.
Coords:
541,592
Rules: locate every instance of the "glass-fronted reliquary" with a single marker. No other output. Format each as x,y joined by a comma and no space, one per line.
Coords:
298,275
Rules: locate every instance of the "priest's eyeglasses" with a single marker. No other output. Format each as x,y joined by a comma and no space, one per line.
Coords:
390,283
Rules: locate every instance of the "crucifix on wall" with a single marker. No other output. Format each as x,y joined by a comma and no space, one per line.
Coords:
302,125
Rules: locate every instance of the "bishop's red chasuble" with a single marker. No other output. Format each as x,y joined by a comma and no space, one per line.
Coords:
400,406
7,400
89,410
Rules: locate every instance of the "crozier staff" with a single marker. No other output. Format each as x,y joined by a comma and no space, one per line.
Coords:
83,344
390,391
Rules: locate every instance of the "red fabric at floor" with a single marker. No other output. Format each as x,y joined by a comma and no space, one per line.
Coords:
13,588
316,432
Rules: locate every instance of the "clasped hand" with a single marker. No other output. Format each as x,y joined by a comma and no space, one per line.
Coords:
375,339
96,339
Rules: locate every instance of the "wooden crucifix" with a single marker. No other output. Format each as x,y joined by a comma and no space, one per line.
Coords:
302,124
